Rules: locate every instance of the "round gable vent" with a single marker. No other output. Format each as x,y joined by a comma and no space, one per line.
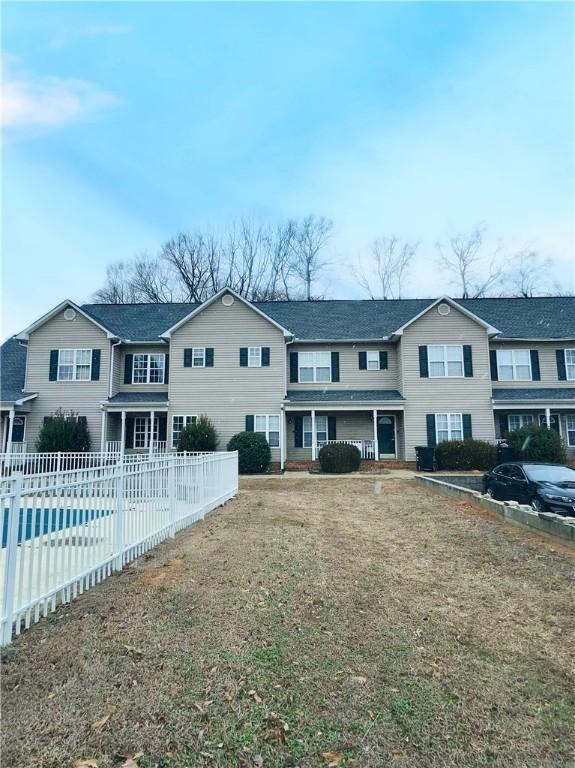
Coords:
69,314
444,309
227,300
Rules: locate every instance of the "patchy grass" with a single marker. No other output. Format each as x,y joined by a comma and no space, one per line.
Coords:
310,623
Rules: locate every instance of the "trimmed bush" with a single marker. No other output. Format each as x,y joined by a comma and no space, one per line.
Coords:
64,432
339,458
537,443
254,453
199,436
465,455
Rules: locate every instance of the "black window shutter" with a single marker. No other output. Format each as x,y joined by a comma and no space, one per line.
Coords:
503,424
53,375
535,370
209,357
244,357
249,423
423,365
82,420
335,366
128,365
467,434
95,365
293,367
331,428
188,358
298,428
166,375
362,361
431,439
162,427
467,360
382,360
129,431
265,356
493,364
561,368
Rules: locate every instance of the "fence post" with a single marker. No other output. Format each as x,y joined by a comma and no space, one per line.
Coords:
120,518
11,553
172,494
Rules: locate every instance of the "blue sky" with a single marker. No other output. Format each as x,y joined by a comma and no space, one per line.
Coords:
127,122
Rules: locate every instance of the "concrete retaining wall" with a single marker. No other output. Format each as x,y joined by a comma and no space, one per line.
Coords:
547,522
473,482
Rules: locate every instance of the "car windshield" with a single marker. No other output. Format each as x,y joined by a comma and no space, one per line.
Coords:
550,474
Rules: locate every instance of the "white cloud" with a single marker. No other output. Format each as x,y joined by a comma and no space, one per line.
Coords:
42,101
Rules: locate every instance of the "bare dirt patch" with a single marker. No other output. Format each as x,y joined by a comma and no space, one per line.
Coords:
308,623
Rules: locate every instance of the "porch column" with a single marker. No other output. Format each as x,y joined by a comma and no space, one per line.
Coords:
103,432
313,437
123,433
151,442
282,438
548,417
375,444
11,415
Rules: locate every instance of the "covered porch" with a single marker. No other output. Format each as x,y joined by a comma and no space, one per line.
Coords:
135,422
371,420
13,422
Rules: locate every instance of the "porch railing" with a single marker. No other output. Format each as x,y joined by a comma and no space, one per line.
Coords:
113,446
159,446
365,447
17,448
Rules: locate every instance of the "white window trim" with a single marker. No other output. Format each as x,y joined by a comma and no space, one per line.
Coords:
445,374
569,378
20,416
314,366
183,416
570,429
146,419
75,365
513,364
266,416
259,363
194,350
374,353
449,429
523,420
309,431
148,368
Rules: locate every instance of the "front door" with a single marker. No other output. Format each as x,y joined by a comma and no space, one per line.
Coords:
386,435
554,421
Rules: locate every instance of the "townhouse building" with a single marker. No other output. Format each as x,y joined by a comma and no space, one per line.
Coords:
385,375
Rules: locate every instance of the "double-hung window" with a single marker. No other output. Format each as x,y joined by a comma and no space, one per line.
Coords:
148,369
320,431
514,365
314,367
74,364
519,420
445,360
448,426
254,357
178,423
142,431
372,359
570,363
570,419
199,357
270,427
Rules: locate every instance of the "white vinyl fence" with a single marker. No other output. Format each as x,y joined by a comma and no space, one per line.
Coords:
64,532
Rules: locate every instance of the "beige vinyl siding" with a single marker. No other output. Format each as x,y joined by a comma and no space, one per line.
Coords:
445,395
139,350
227,392
547,364
82,397
118,372
350,375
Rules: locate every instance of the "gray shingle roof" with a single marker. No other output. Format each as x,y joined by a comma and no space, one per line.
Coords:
139,397
537,318
12,371
341,395
534,393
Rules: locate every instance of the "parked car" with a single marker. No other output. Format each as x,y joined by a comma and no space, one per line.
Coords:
548,487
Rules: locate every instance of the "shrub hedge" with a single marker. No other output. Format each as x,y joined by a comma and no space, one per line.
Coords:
199,436
254,453
339,457
64,431
537,443
465,455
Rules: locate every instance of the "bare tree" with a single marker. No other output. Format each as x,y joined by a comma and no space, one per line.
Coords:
528,275
390,260
118,288
474,273
311,237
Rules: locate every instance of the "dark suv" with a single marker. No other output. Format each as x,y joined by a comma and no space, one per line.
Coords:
543,486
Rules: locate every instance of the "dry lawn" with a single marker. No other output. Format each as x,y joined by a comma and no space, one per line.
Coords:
310,622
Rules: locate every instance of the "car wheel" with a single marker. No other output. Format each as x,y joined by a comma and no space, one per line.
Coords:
489,491
537,504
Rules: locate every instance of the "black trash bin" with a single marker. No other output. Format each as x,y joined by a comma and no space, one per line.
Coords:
505,452
425,458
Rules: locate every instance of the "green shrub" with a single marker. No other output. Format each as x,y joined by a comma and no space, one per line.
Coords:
199,436
465,454
538,443
64,432
254,453
339,457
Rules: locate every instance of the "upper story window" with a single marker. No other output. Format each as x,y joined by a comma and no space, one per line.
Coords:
255,358
570,363
198,357
445,360
448,426
514,365
372,360
149,369
74,364
270,427
314,366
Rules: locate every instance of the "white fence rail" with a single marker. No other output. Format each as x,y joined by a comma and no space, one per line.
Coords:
365,447
63,533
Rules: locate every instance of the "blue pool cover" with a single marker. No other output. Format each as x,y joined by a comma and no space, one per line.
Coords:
52,520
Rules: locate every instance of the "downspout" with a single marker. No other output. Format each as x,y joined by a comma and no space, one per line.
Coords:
283,419
110,382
